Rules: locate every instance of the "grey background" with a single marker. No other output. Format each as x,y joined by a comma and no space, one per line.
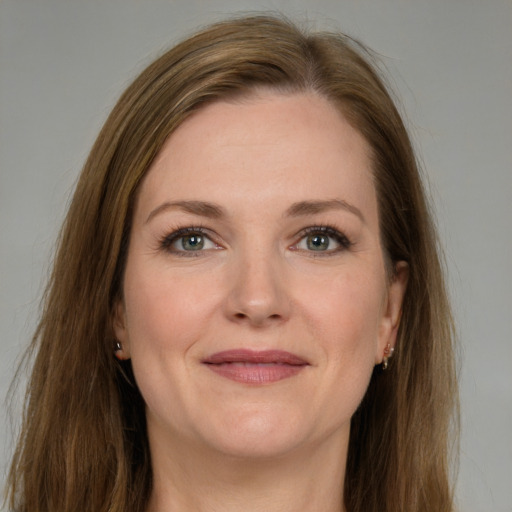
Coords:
64,63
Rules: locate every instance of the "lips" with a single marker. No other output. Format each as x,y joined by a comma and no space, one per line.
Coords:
255,367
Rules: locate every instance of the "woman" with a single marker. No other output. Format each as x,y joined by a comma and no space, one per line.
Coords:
248,245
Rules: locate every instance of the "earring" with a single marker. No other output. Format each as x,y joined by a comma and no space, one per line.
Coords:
117,349
388,352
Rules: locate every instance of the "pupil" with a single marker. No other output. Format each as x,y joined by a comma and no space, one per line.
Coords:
192,242
318,242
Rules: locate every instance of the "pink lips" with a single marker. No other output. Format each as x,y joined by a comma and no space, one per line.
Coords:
255,367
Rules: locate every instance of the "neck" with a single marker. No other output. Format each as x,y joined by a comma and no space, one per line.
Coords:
307,480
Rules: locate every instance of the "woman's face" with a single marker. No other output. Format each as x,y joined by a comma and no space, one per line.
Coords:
255,300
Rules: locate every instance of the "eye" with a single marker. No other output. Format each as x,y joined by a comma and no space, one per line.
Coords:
190,239
190,242
322,239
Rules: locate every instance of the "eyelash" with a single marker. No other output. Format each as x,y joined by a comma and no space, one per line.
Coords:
167,241
330,231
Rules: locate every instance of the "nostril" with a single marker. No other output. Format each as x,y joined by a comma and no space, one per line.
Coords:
255,317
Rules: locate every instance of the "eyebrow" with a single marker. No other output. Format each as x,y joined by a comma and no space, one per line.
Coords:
214,211
200,208
312,207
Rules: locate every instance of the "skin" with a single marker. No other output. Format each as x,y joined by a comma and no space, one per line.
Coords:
258,283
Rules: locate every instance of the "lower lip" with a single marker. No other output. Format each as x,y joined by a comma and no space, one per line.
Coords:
256,373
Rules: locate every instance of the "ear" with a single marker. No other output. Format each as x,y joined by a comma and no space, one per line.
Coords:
392,310
120,330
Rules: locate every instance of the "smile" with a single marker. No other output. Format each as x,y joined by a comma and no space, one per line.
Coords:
255,367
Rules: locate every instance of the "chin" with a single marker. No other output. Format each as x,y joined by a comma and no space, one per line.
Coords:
259,434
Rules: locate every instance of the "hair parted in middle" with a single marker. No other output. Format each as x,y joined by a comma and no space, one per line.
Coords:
85,426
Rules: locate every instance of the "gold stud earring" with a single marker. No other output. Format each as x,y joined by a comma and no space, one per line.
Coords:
388,352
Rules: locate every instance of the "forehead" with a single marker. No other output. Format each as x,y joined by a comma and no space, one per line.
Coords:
260,149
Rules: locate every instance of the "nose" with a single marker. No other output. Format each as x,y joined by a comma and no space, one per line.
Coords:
258,292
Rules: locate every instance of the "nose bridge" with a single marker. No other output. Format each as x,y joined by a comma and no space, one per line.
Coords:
258,292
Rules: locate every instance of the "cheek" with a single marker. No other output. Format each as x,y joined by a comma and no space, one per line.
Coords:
346,312
356,295
164,311
166,314
342,316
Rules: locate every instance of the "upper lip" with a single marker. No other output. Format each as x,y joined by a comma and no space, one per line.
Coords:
255,357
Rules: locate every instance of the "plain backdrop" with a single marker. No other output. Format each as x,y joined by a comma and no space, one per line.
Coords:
64,63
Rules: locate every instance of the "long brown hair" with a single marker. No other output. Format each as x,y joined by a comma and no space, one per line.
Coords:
83,445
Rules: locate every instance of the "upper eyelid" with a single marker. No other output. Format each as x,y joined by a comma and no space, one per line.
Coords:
323,228
167,242
175,234
340,237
